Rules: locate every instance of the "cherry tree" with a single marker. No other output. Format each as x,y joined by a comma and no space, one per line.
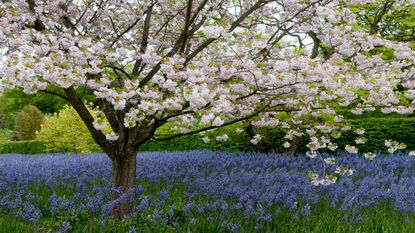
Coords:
201,64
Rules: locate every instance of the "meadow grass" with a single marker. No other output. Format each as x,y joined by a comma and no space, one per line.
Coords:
382,218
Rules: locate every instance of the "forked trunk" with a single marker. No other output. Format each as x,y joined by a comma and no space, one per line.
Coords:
123,178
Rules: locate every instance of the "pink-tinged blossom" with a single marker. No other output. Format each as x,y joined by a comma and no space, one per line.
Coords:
205,139
311,154
394,146
256,139
360,140
222,138
218,121
99,126
214,31
332,146
360,131
330,161
351,149
369,155
112,136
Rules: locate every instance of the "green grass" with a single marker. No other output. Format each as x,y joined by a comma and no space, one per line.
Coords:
379,219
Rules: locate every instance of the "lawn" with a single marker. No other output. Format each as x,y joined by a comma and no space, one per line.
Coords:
208,192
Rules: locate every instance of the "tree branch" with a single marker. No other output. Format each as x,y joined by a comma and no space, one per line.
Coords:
205,44
109,115
186,25
214,127
144,40
131,26
234,25
55,94
88,119
199,8
316,45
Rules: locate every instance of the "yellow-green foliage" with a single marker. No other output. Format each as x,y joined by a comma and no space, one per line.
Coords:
28,121
65,132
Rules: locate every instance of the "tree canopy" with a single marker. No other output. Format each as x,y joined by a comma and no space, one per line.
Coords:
204,64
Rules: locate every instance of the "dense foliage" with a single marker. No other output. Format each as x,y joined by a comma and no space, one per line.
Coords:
28,122
65,132
45,102
14,101
207,192
6,134
22,147
194,142
380,129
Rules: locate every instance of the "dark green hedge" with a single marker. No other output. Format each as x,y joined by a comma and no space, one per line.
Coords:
22,147
378,130
194,142
401,129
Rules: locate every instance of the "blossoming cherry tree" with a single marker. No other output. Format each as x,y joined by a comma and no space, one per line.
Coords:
201,64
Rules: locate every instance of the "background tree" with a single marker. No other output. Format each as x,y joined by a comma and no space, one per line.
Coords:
201,64
28,122
15,100
389,19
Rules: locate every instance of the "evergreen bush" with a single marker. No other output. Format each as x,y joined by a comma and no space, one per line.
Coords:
28,122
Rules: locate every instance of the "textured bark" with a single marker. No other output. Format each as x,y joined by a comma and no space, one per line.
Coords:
123,178
123,152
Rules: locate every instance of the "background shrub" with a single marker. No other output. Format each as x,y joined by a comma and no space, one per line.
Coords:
8,111
378,130
22,147
195,142
65,132
3,122
6,134
400,129
236,142
28,121
13,101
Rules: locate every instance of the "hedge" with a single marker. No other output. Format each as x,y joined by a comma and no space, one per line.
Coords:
22,147
400,129
194,142
377,131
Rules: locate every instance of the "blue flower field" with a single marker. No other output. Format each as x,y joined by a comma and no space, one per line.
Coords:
208,192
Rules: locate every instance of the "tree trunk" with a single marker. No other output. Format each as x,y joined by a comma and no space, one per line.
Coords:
123,178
